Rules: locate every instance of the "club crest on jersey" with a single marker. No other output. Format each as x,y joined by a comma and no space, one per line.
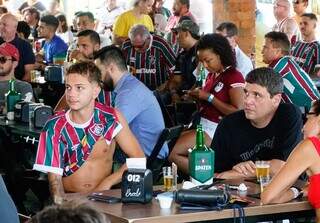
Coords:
152,59
218,87
97,129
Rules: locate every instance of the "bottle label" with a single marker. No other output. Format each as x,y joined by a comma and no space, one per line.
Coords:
201,166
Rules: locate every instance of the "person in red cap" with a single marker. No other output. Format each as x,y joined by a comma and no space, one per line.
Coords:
9,58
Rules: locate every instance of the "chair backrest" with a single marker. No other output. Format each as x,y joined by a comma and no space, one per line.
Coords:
169,135
168,119
184,111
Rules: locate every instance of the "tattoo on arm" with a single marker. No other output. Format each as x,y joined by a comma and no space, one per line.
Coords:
55,186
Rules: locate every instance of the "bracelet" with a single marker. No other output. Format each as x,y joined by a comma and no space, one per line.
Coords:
210,98
297,192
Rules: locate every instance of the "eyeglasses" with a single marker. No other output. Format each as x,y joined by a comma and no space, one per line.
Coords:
3,60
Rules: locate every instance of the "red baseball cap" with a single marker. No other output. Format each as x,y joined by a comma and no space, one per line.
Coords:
7,49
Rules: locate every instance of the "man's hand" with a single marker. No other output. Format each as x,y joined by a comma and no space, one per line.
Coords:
247,168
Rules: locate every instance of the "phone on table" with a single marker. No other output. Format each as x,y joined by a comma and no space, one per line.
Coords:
104,198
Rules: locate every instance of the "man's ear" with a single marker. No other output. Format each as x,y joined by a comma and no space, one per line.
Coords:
96,47
276,99
96,90
15,64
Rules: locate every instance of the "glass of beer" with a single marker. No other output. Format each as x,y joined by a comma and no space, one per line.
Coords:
262,169
167,178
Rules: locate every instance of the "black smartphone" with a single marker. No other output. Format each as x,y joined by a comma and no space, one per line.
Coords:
104,198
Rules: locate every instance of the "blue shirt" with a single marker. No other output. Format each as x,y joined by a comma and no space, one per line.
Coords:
8,211
55,47
142,112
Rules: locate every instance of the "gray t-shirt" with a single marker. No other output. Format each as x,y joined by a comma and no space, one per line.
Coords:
23,87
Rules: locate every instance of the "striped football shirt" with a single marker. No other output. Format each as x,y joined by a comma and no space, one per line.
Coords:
307,55
64,146
299,89
152,66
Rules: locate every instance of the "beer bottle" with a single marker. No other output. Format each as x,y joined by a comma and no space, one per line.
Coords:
12,96
201,161
201,77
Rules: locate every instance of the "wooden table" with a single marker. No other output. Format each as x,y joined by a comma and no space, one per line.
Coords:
153,213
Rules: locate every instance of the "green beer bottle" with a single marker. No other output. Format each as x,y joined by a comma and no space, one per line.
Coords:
12,96
201,161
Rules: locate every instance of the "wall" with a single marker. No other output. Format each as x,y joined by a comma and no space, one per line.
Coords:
240,12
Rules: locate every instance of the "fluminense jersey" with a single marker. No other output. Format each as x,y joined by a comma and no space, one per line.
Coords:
154,65
298,86
106,98
307,55
64,146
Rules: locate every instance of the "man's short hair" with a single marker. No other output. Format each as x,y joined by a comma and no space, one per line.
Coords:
86,68
310,16
137,30
32,10
220,46
69,213
279,40
113,54
231,28
93,35
24,28
50,20
88,14
268,78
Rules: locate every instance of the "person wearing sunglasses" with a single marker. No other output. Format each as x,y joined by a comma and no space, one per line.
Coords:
299,7
9,58
304,158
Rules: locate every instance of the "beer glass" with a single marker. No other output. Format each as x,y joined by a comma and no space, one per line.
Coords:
262,169
167,178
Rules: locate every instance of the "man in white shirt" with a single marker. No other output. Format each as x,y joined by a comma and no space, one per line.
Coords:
230,31
107,15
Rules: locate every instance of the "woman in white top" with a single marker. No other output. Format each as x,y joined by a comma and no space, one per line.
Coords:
63,32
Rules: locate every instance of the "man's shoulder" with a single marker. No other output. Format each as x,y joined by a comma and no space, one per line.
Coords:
105,110
23,83
233,119
159,42
57,121
20,43
134,87
287,111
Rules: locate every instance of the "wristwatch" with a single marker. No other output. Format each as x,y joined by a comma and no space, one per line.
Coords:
210,98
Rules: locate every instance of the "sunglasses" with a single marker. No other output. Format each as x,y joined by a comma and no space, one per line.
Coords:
3,60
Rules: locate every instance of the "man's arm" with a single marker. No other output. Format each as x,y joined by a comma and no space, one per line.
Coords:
130,146
56,187
27,75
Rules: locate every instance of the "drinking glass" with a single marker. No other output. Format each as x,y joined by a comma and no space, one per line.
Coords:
167,178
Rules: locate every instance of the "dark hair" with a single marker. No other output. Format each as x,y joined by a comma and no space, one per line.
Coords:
268,78
316,107
220,46
32,10
310,16
69,213
94,36
279,40
24,28
185,2
230,28
86,68
110,54
62,18
88,14
3,9
50,20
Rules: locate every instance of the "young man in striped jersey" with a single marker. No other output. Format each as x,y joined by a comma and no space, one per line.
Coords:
298,86
76,147
306,52
149,56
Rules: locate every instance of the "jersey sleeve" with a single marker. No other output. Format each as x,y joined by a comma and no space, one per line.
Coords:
112,126
50,151
235,79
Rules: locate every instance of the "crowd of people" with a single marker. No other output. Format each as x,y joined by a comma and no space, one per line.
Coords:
116,61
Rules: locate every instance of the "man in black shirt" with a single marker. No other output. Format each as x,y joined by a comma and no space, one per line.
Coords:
265,130
187,36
